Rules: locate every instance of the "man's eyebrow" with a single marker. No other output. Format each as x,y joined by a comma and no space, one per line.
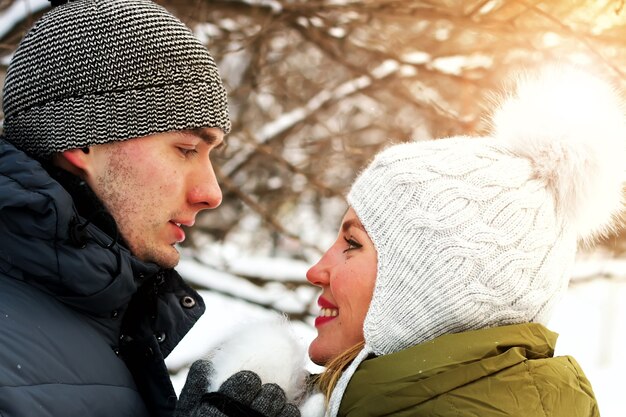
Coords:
208,137
352,223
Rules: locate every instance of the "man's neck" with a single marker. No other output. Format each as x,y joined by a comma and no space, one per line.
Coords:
86,201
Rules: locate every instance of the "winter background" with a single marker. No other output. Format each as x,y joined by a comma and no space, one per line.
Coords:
316,88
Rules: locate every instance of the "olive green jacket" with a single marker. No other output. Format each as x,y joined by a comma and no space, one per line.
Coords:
503,371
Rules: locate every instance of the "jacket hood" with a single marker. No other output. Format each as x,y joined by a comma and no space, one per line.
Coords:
38,244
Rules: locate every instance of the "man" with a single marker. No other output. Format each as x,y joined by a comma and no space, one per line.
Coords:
112,110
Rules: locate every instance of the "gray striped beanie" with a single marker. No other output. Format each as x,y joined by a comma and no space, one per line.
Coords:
482,232
96,71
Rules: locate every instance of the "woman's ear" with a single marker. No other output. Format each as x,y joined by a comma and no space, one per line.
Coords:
75,161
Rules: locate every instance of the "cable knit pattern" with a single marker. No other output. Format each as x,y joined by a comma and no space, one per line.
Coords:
465,241
481,232
95,71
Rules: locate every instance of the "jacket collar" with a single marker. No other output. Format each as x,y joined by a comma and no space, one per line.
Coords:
38,219
419,373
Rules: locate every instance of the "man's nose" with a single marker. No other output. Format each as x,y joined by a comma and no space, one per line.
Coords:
206,191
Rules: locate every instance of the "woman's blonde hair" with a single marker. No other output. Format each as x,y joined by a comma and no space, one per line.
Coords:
327,380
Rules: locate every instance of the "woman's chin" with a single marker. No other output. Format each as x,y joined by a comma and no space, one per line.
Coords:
317,355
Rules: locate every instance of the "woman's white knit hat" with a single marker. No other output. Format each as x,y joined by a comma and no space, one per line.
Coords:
482,232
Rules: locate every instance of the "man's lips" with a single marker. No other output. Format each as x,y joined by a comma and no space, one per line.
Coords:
179,233
184,222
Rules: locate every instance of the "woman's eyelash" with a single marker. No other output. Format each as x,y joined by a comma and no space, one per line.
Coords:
352,244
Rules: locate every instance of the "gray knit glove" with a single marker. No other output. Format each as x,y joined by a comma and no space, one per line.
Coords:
240,395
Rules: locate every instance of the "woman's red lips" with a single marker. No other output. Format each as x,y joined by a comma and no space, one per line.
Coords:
324,303
322,320
328,312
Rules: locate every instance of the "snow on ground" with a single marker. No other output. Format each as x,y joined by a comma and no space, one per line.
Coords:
591,319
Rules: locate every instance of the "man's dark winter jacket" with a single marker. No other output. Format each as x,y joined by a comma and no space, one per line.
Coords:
84,326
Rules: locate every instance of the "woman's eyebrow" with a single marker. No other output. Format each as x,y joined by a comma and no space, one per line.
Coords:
352,223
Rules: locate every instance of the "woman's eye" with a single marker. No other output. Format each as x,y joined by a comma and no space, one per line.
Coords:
352,244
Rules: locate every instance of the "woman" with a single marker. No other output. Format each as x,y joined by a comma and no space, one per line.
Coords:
454,252
449,262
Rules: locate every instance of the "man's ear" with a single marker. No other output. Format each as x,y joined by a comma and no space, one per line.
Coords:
76,161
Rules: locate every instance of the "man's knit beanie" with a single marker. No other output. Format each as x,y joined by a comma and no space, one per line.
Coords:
96,71
482,232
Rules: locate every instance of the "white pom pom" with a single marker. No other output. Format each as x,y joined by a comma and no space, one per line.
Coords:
314,406
270,349
571,125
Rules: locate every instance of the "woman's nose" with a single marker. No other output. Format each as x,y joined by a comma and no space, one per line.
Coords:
318,274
